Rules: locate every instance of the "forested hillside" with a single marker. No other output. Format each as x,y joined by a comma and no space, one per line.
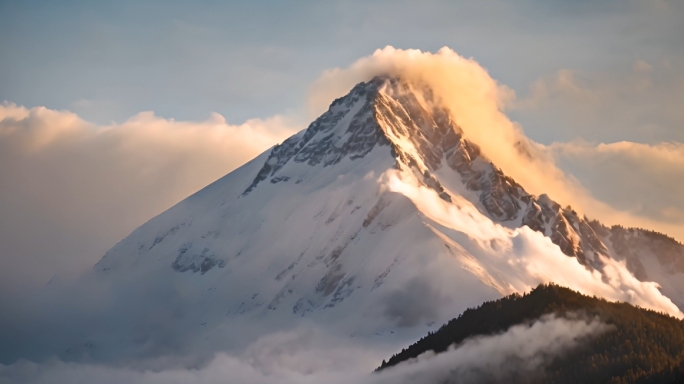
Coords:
643,347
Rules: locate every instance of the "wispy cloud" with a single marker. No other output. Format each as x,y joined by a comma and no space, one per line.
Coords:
640,178
640,103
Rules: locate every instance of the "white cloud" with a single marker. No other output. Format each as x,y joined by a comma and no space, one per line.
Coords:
518,260
521,350
71,189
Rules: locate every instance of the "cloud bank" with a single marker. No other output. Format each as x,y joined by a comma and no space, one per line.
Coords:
291,357
71,189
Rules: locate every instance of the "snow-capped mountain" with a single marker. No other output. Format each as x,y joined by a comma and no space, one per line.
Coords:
379,220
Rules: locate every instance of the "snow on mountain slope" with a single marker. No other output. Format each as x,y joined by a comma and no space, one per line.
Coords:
378,221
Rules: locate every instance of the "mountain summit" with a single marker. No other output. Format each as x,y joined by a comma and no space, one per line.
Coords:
423,137
379,220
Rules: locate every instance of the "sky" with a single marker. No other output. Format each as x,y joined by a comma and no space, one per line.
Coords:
111,112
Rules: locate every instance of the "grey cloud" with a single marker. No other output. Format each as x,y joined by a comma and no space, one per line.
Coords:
516,354
513,356
418,300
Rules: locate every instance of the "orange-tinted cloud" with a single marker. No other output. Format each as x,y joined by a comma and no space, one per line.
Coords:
71,189
477,103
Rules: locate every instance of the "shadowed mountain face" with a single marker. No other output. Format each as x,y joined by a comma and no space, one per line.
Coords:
634,345
378,221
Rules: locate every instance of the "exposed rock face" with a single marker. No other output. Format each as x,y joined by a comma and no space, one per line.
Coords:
424,137
323,142
202,261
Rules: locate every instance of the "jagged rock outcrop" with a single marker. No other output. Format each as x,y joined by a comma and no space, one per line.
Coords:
424,138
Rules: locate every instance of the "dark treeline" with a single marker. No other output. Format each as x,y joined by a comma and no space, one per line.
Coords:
644,347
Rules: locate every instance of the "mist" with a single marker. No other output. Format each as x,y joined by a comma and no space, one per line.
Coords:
521,351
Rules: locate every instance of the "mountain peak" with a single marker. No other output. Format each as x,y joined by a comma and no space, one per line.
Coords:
383,111
425,139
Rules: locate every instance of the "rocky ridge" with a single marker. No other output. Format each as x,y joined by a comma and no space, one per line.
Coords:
400,114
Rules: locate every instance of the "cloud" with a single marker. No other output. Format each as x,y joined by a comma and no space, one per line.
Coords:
512,356
303,355
646,180
518,260
478,103
641,103
475,100
71,189
289,358
415,301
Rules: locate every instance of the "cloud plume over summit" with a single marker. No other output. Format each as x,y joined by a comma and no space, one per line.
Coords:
478,104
